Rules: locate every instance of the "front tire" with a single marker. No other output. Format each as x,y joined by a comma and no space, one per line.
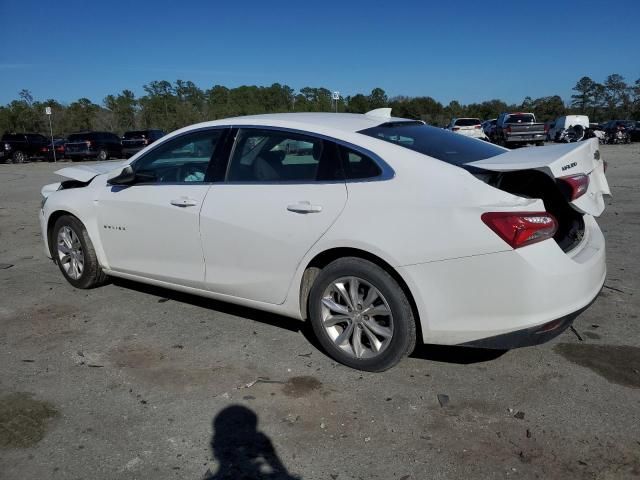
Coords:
102,155
73,251
361,316
18,157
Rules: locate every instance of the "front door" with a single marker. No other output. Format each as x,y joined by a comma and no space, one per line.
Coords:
151,228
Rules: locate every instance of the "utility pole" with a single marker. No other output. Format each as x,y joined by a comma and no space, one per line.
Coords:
47,110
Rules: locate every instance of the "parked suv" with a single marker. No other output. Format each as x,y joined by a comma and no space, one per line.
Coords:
21,146
96,145
469,127
136,140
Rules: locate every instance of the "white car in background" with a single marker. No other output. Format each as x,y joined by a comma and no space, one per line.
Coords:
470,127
378,231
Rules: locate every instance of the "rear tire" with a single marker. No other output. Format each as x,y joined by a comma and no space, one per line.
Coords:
102,155
371,328
73,251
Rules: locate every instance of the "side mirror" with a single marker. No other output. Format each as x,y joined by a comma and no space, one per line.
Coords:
126,176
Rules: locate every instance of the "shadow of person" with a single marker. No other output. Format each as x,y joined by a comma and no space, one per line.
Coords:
241,450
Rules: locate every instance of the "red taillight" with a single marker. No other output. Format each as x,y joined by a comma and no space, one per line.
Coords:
508,129
519,229
546,128
455,129
43,149
579,184
478,126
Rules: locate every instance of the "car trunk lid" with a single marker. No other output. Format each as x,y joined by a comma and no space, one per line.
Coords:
559,161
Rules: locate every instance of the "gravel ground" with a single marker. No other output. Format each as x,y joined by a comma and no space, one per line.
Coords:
130,381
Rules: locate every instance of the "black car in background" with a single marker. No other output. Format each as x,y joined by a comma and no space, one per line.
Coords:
136,140
19,147
58,146
96,145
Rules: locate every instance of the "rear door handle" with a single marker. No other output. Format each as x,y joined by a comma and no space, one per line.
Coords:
184,202
304,207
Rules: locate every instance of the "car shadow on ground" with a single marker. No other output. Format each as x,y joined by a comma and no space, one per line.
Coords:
241,450
435,353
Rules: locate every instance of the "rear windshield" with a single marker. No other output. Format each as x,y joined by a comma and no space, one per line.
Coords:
435,142
520,118
467,122
136,134
79,137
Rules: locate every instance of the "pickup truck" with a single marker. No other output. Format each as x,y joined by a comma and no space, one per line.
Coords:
19,147
515,129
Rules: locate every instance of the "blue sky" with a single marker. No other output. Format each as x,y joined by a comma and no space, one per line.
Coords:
469,51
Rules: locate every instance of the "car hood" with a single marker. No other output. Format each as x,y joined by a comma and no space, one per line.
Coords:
85,173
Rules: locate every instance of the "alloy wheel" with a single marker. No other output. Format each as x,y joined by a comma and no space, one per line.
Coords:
70,253
357,317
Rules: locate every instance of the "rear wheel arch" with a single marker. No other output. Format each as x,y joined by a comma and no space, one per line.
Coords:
324,258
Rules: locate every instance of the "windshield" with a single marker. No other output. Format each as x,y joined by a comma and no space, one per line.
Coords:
435,142
520,118
467,122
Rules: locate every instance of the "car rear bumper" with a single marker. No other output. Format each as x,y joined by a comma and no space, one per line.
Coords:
536,137
81,154
528,337
480,299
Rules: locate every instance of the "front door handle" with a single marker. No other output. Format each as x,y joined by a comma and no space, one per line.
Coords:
304,207
184,202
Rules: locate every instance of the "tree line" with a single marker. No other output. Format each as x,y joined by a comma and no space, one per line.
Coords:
169,106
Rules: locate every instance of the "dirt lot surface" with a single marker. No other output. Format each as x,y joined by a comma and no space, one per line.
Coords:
129,381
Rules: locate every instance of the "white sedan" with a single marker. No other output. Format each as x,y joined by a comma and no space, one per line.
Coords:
378,230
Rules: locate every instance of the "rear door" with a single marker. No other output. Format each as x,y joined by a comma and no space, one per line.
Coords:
559,161
276,202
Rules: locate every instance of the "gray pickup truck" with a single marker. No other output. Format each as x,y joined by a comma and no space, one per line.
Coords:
515,129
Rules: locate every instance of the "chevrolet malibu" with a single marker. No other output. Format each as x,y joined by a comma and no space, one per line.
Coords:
380,231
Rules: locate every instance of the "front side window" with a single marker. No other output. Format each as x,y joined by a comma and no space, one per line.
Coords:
265,155
184,159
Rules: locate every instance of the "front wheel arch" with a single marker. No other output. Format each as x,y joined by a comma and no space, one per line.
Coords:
53,218
324,258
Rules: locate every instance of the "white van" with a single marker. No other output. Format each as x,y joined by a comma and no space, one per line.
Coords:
562,123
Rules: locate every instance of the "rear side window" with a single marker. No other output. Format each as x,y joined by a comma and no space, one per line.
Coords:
435,142
357,165
281,156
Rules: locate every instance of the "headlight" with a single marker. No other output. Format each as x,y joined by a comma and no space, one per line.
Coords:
7,146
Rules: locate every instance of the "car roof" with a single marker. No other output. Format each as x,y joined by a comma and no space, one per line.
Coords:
347,122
